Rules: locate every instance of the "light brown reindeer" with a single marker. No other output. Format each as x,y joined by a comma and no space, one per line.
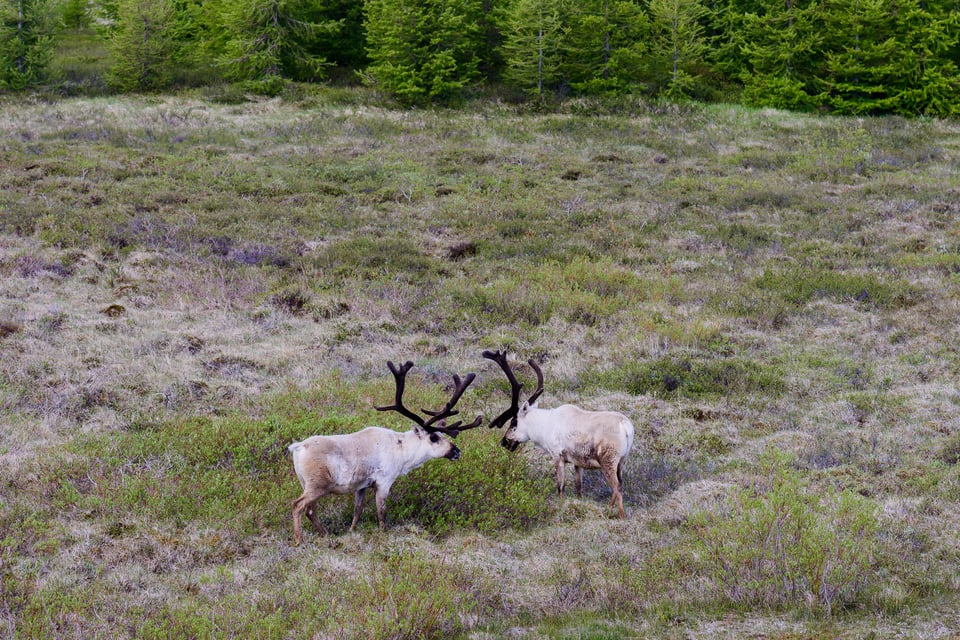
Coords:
373,457
589,439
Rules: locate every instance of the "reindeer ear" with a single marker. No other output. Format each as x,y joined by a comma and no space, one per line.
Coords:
524,408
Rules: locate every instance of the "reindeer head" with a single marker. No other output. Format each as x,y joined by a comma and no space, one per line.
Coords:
515,434
428,430
439,446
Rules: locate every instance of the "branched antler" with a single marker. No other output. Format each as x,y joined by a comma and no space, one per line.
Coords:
500,357
436,422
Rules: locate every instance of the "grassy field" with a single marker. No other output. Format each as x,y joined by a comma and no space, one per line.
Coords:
190,283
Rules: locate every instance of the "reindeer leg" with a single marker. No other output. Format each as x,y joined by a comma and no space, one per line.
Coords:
357,507
382,493
312,514
558,463
579,480
303,504
611,471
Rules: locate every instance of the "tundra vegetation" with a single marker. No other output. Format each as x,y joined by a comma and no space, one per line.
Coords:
189,284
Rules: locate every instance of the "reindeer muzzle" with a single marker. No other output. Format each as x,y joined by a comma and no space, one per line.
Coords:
509,445
453,454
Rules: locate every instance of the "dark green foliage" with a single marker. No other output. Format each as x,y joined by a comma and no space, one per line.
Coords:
143,46
74,14
861,57
678,47
423,50
268,41
609,48
883,57
776,45
346,46
533,34
488,489
27,28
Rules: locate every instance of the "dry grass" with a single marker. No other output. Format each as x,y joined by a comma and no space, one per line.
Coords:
175,273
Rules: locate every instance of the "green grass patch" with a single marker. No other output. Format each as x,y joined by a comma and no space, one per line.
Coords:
800,285
376,258
692,376
235,474
581,290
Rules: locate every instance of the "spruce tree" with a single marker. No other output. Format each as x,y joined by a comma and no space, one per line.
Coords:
886,56
859,45
423,50
679,47
142,46
345,46
268,41
779,43
629,67
533,43
74,14
928,81
588,46
604,41
26,42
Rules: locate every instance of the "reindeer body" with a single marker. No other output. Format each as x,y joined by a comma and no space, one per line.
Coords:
587,439
354,462
373,457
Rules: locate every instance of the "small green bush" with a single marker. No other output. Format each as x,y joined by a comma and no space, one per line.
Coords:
691,376
487,490
787,545
950,450
506,300
581,290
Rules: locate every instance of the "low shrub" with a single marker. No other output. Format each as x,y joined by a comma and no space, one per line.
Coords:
581,290
408,597
785,544
692,376
487,490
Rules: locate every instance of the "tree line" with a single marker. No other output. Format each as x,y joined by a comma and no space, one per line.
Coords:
841,56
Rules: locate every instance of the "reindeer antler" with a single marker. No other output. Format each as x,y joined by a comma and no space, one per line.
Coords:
536,394
453,430
500,357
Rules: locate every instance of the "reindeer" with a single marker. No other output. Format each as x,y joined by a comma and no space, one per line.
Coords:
374,456
588,439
